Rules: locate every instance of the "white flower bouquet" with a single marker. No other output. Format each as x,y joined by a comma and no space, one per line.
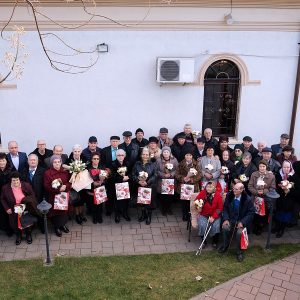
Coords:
169,166
77,166
209,167
224,170
193,171
260,182
103,173
19,209
143,175
56,183
199,204
195,133
243,178
285,184
122,171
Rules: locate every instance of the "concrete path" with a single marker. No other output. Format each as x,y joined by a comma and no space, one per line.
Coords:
277,281
165,234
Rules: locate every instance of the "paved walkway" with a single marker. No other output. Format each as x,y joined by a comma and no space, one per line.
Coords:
276,281
165,234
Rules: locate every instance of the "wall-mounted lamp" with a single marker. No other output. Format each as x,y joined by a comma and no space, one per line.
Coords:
229,19
102,48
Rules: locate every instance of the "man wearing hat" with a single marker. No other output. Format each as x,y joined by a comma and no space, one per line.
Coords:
248,146
131,149
199,150
187,130
91,148
273,165
180,147
222,146
277,148
287,154
154,150
139,138
108,154
163,138
237,154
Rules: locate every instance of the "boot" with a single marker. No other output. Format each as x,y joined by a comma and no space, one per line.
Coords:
78,219
28,236
83,218
95,219
117,217
280,232
149,214
125,216
143,217
18,237
215,241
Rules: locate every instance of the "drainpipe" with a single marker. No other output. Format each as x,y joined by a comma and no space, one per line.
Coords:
295,103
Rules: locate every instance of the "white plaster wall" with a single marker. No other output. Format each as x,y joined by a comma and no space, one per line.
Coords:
120,92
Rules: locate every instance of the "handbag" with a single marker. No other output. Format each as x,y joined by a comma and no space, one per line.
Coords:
74,197
27,219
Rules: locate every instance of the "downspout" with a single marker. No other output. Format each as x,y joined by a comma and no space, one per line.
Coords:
295,103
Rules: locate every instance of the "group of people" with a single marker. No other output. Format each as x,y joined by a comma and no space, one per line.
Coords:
232,184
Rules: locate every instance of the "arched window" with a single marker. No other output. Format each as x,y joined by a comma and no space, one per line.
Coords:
221,94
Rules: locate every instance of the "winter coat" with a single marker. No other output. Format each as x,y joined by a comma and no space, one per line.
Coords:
268,178
162,171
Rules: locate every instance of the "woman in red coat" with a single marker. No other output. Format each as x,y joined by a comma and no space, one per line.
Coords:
210,212
15,193
56,180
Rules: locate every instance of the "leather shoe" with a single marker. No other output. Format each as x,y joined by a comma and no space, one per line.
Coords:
18,240
95,220
100,220
78,220
240,257
65,229
126,217
28,238
117,219
58,232
83,218
222,250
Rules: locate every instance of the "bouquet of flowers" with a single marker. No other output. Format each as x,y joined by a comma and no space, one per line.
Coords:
243,178
95,172
169,166
143,175
56,183
193,171
152,155
19,209
199,204
209,167
285,184
122,171
260,182
77,166
103,173
195,133
224,170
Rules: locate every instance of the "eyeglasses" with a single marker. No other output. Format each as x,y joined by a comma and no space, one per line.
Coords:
120,154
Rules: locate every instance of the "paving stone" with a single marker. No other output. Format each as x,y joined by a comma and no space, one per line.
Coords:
266,288
291,286
261,296
273,280
277,295
244,295
280,275
291,295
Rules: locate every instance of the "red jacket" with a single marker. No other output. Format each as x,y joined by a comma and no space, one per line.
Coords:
215,208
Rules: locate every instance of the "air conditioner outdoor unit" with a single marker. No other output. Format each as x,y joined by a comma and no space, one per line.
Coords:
175,70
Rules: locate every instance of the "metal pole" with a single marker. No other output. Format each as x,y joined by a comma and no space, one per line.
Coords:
48,259
268,246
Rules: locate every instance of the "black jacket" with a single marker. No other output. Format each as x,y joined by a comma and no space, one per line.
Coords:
179,151
48,153
106,157
132,153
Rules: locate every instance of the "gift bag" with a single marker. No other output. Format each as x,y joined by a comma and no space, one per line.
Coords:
186,191
122,190
244,239
81,180
259,205
144,195
167,186
61,201
100,195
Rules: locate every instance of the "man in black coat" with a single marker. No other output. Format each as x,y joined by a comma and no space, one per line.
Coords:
57,150
132,150
17,160
248,146
180,147
139,139
238,213
91,148
273,164
34,175
108,154
42,152
199,150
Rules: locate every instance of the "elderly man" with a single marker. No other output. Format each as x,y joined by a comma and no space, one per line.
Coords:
163,139
108,154
42,152
57,150
18,160
181,146
260,146
238,213
91,148
273,164
248,146
209,139
277,148
187,130
139,138
131,149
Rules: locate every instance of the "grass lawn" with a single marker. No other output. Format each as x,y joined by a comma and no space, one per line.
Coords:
171,276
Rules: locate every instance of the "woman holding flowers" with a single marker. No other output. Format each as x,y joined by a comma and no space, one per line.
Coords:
285,203
144,175
259,185
120,174
99,174
166,167
188,173
210,206
56,181
226,170
75,164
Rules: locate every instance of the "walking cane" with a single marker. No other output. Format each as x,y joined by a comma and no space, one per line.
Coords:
234,229
207,230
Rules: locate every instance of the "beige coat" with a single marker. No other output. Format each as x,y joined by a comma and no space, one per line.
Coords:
269,180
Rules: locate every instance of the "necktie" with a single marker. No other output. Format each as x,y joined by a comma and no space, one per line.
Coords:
31,174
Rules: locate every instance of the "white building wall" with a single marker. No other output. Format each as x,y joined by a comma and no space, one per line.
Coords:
120,92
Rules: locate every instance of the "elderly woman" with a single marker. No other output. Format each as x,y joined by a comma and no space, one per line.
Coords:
259,185
5,170
210,213
285,203
15,193
94,169
154,150
237,154
166,167
145,165
188,172
287,154
243,170
59,218
77,198
210,166
120,174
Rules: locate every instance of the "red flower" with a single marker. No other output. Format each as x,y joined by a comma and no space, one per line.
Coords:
95,172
